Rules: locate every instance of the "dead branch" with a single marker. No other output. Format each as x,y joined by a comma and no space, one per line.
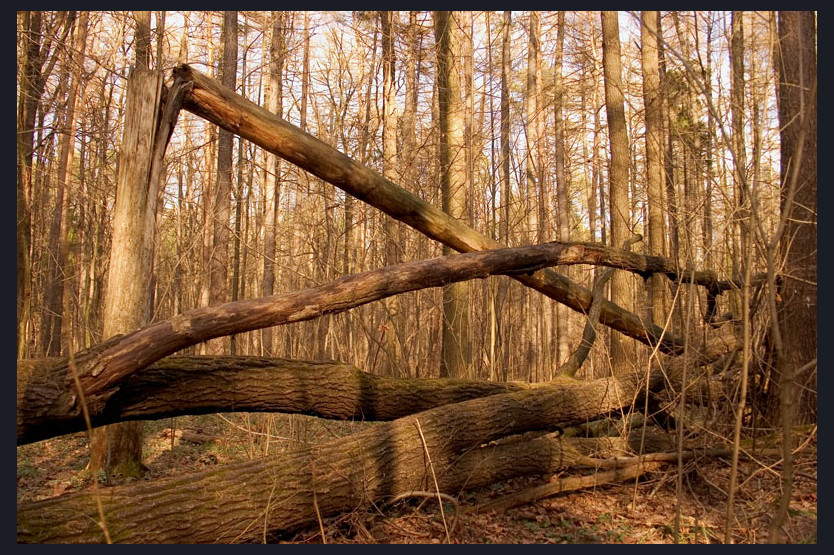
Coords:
563,485
232,112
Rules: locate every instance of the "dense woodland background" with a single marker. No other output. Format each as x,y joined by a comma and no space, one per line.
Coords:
539,148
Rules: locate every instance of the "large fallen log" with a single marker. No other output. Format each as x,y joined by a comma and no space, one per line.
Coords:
56,390
232,112
177,386
241,502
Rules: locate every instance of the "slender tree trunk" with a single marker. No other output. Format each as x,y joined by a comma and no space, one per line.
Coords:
237,193
709,159
563,318
409,165
533,234
456,346
622,350
654,159
668,166
53,314
219,265
506,190
742,208
390,170
274,103
208,195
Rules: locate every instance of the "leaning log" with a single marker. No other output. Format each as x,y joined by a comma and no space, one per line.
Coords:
232,112
57,390
242,502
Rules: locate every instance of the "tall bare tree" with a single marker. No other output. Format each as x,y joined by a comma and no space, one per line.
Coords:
35,65
621,284
797,65
219,267
53,317
741,222
390,169
506,189
274,103
560,158
795,338
654,158
456,345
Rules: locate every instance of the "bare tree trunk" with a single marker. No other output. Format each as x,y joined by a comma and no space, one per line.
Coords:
143,39
794,340
506,194
532,172
668,166
57,272
742,208
117,450
798,105
208,195
563,318
219,266
394,365
274,100
622,350
235,285
654,159
456,358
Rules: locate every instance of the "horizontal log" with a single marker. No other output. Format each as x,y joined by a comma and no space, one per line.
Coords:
177,386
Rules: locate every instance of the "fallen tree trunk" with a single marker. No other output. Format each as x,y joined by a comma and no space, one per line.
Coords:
176,386
232,112
238,502
55,389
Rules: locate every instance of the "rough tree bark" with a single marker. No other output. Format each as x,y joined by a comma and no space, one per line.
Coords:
244,501
621,284
47,390
118,448
456,348
654,159
274,96
181,385
219,273
797,108
794,339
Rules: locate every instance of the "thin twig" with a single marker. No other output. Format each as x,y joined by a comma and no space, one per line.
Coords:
434,477
81,399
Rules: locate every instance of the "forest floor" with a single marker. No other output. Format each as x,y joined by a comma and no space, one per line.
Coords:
627,513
